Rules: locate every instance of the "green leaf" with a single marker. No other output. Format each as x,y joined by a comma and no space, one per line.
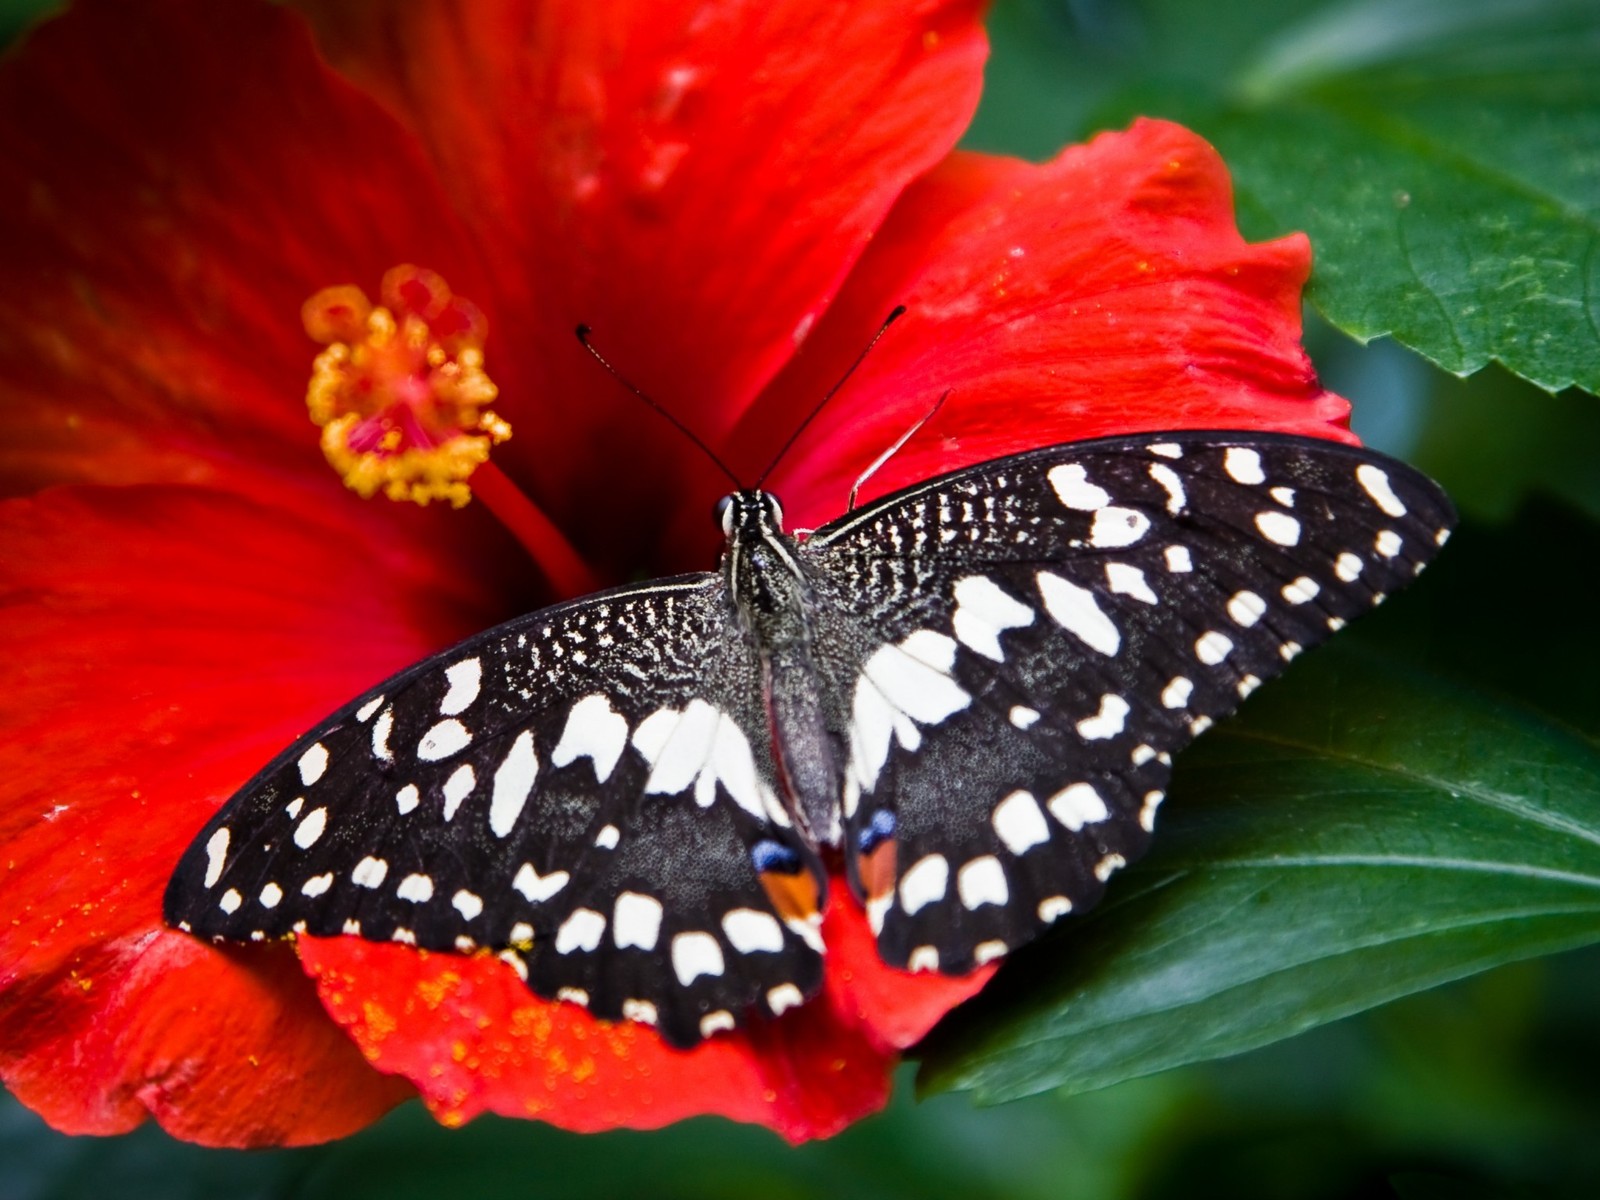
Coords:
1364,833
1443,155
16,16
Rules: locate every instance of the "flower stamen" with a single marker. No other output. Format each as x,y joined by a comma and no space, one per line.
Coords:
400,393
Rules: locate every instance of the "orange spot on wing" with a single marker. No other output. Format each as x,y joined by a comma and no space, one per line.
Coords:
794,897
878,870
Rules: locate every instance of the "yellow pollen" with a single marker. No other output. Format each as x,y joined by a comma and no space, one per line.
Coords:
400,393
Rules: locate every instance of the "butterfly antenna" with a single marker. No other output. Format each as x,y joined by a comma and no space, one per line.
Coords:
899,311
894,449
583,337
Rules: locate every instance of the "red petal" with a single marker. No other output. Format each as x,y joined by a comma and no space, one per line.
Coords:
160,644
896,1007
176,178
474,1039
223,1049
691,181
1107,291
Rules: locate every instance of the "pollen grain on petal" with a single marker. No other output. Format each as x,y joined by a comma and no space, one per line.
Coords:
400,393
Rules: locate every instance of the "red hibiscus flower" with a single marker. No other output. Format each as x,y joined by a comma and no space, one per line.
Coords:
732,198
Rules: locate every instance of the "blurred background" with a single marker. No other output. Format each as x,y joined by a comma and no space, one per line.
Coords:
1483,1088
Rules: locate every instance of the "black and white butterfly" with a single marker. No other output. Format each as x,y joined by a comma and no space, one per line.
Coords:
968,691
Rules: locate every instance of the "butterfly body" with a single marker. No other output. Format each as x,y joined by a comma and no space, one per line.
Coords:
969,691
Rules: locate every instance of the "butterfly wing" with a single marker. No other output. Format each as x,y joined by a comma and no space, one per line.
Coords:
559,791
1034,637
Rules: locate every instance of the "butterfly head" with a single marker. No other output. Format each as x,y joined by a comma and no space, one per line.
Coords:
750,514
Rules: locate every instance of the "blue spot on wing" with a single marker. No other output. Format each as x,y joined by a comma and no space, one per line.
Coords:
768,855
878,829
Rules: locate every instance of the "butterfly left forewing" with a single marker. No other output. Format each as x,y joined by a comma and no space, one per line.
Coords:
586,792
1036,636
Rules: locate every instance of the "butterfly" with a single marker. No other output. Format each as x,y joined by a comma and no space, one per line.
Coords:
966,694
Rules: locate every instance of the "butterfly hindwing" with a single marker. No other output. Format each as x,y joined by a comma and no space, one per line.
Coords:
1043,632
560,791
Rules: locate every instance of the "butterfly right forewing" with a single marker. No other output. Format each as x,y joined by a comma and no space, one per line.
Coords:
1083,611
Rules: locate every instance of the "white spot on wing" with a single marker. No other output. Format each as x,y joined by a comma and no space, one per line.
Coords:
407,798
1212,647
1347,567
1172,483
1176,693
1301,590
1376,482
1178,560
270,895
1387,543
1071,483
310,829
1107,722
1019,822
607,838
1166,449
1022,716
231,899
751,931
416,888
595,731
1053,908
1243,465
313,763
369,872
982,881
1113,528
216,855
366,710
983,611
695,954
1077,805
1147,811
381,729
641,1011
468,904
457,788
784,997
513,781
720,1021
1110,863
1278,527
1246,608
1077,611
924,883
987,952
636,921
317,884
1125,579
899,686
536,887
443,740
465,678
580,931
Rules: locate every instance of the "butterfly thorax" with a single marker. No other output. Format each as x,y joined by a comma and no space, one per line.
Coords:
772,598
